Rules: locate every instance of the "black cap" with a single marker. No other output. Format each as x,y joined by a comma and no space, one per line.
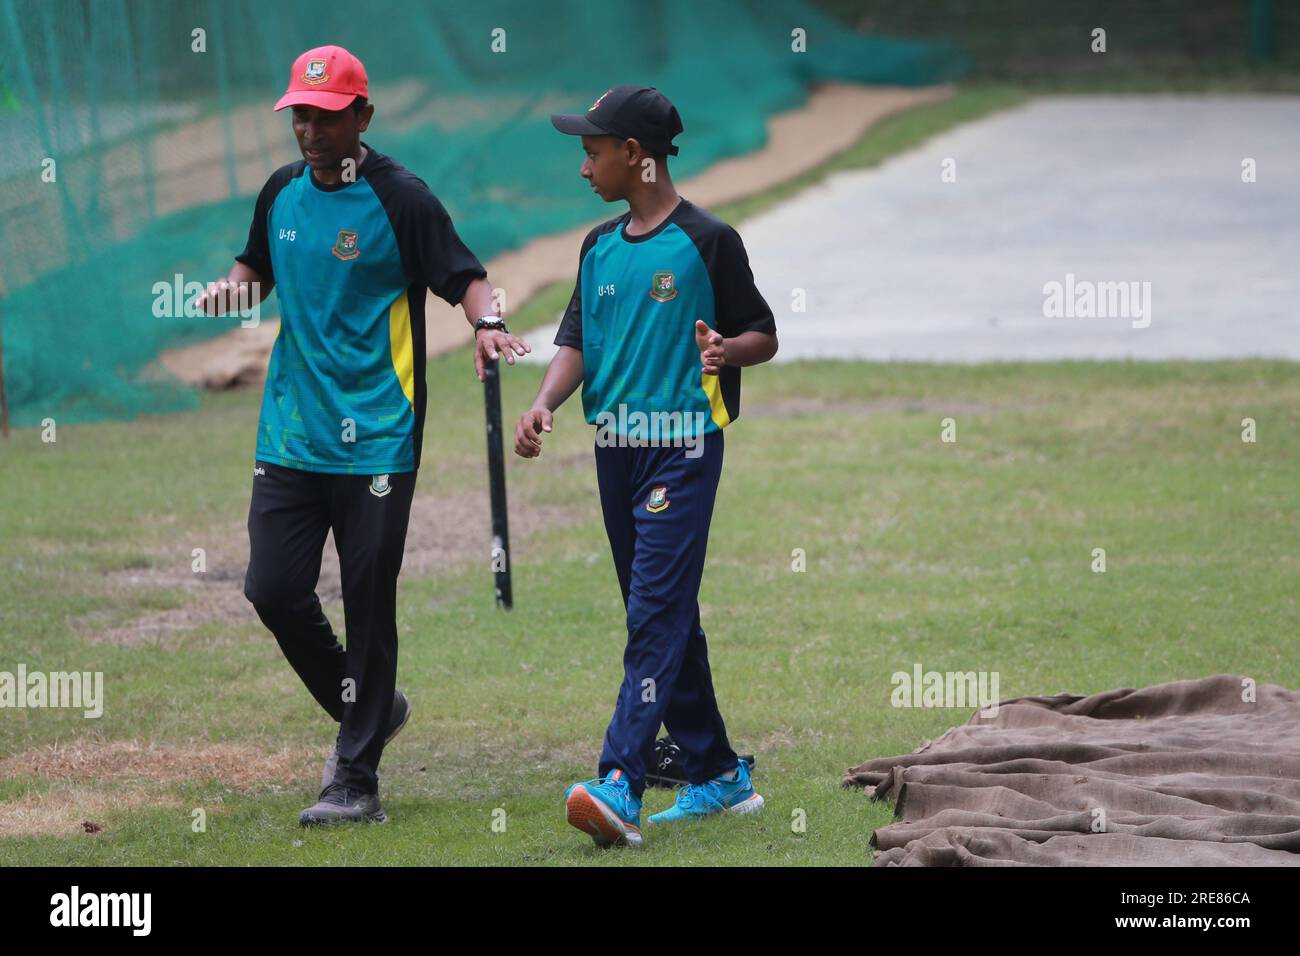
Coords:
630,112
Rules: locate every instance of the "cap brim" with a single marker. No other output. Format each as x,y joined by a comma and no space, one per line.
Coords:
576,125
320,98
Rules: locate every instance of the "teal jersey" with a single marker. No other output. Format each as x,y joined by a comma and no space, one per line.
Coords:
345,388
633,312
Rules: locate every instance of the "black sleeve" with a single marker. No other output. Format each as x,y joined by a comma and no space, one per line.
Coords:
737,303
570,331
433,255
257,252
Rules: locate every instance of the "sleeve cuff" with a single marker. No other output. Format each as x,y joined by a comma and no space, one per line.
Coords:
257,264
454,291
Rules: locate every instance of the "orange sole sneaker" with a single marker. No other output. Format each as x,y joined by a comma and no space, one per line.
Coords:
593,817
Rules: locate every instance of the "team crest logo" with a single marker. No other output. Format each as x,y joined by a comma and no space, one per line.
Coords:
315,72
598,99
662,288
345,247
379,486
658,499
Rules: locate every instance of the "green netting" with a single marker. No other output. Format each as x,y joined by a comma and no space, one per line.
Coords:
159,149
1036,41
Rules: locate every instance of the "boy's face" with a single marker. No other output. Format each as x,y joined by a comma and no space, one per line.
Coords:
609,166
327,137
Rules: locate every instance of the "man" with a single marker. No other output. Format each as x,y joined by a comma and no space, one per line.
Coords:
663,316
351,239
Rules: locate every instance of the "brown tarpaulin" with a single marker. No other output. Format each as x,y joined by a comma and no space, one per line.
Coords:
1189,773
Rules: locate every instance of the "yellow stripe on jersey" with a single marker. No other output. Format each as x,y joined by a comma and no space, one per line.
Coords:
712,386
399,339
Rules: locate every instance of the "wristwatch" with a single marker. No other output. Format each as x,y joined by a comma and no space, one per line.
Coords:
493,322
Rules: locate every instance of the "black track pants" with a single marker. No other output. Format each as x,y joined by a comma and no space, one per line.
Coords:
291,513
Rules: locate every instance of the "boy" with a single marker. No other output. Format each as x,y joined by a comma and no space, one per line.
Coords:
351,239
663,316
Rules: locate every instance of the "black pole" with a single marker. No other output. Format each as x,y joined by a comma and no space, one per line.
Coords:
497,484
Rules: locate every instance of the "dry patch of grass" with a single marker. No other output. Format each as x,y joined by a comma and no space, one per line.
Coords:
238,766
445,534
138,775
71,809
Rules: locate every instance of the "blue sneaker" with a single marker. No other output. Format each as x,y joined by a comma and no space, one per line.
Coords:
719,795
606,809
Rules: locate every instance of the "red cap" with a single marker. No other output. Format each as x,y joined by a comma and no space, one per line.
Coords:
328,76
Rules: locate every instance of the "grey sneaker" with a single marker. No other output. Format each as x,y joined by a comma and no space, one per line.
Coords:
396,721
339,804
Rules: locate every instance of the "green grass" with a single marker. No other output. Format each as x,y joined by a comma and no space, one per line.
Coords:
973,555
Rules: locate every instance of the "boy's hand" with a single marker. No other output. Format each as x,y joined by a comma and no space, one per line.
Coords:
528,433
713,352
488,343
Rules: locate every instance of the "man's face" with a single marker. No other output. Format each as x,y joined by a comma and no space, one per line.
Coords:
607,166
327,137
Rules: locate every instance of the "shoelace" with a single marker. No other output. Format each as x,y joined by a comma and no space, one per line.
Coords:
692,794
621,787
604,782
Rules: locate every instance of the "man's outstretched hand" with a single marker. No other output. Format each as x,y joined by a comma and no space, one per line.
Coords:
528,433
489,343
713,354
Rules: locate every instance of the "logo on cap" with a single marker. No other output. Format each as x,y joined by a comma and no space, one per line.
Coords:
662,288
598,99
315,72
345,247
